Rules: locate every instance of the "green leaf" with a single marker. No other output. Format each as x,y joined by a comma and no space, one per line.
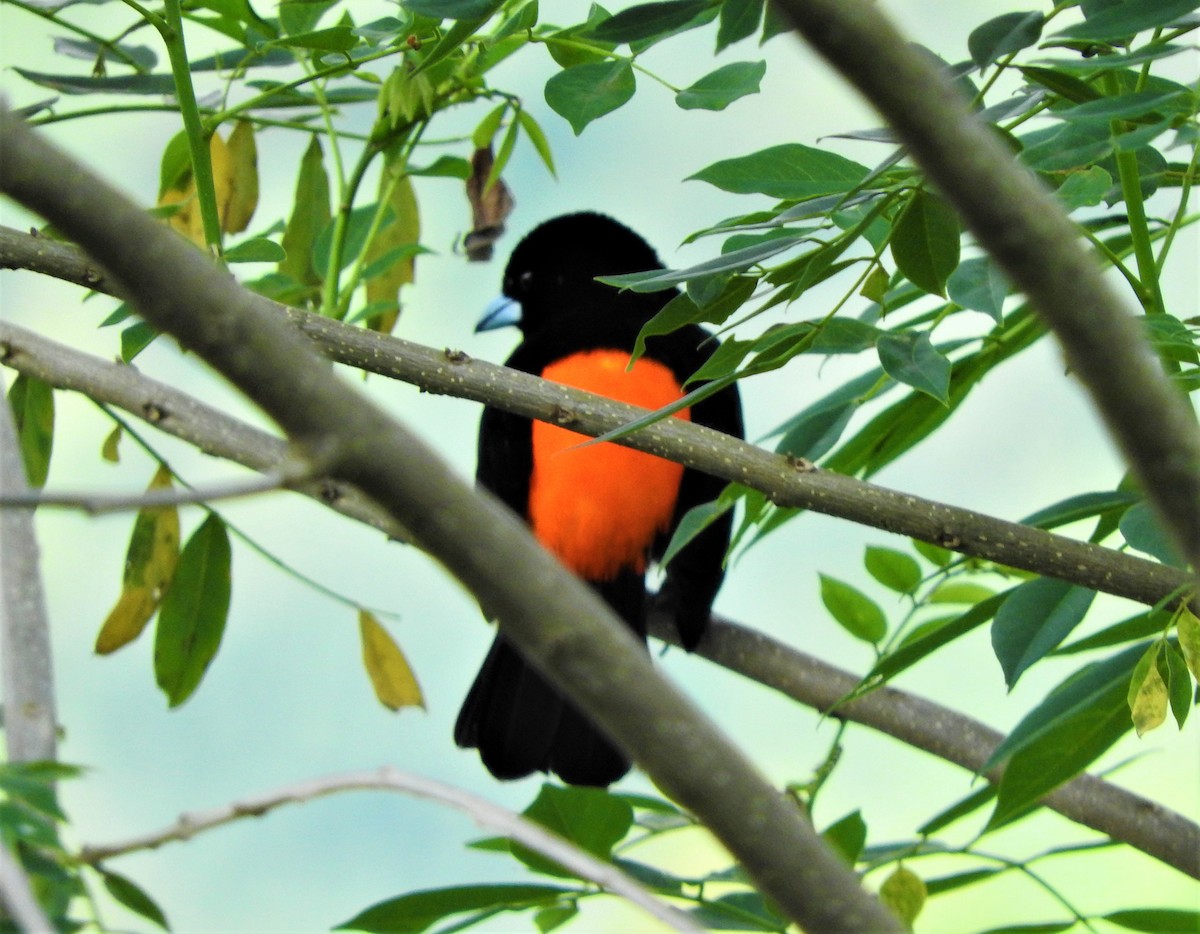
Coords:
118,84
1120,107
1003,35
1084,189
979,284
694,521
815,430
854,611
789,171
583,93
903,893
960,591
958,880
555,916
32,405
590,818
444,166
1097,690
912,652
136,338
911,359
1179,683
1063,84
176,163
934,554
537,137
1142,530
256,250
1147,693
333,39
1157,920
718,89
417,911
192,617
1073,146
1125,19
925,242
847,836
1034,620
358,224
310,215
1139,626
648,20
453,9
896,570
1048,927
133,897
296,16
1063,735
960,809
739,20
659,280
1083,506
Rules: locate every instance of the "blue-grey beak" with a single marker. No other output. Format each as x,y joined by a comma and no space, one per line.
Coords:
501,312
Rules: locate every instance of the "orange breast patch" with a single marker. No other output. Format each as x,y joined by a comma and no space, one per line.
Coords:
599,508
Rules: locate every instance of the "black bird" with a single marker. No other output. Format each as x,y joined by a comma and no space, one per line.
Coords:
604,510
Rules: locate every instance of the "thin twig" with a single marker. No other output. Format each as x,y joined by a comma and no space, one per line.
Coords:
100,503
485,814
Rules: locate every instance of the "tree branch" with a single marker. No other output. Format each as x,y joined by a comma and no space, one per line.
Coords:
1155,830
30,724
485,814
178,414
784,481
1090,801
1025,230
16,897
558,622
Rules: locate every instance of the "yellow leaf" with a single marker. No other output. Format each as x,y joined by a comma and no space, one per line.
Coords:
150,564
1189,640
110,451
903,893
127,620
187,219
1148,696
243,189
402,230
394,682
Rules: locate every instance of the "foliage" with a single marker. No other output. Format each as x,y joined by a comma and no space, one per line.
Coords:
1081,101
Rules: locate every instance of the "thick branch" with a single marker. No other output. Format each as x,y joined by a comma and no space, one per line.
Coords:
485,814
1158,831
1092,802
1017,221
558,623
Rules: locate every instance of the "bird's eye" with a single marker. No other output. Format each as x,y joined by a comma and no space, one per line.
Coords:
525,281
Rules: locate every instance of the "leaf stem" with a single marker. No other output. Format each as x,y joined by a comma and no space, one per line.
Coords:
170,27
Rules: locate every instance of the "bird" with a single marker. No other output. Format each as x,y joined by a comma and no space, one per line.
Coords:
604,510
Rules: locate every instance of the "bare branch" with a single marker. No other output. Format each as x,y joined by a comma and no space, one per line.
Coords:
485,814
100,503
1025,230
559,623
